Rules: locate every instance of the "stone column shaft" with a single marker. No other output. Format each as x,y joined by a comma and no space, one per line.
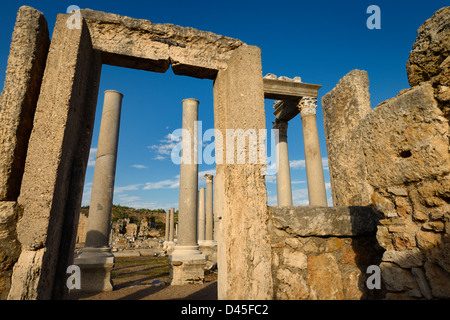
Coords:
201,215
172,225
188,177
313,159
284,189
167,225
104,174
209,208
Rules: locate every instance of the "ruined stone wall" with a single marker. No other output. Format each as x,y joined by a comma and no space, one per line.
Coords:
323,253
403,147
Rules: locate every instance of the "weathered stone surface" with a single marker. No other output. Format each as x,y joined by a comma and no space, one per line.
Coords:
295,259
343,108
141,44
292,286
429,60
26,63
57,156
240,194
401,135
324,221
9,245
439,280
396,278
406,258
324,285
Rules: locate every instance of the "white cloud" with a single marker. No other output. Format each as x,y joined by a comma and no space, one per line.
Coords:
164,184
139,166
92,156
127,188
165,147
294,164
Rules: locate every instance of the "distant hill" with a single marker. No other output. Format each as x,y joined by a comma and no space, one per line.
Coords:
136,215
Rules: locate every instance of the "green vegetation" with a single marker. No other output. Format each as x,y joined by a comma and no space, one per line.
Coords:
158,216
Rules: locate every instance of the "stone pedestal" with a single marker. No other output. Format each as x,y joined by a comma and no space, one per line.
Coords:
96,265
188,268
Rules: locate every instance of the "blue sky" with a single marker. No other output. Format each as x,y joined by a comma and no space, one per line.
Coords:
320,41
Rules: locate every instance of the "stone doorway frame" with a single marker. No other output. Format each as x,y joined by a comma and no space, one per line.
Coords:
58,150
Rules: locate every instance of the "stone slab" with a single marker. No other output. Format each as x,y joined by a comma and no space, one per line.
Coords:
141,44
26,63
324,221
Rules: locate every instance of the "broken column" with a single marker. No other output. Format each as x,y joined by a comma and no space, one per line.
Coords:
201,217
313,159
284,191
187,262
96,260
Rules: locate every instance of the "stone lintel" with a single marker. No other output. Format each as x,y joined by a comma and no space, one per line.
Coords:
289,90
141,44
324,221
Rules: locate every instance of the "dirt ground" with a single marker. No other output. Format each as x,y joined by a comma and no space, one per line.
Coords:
146,278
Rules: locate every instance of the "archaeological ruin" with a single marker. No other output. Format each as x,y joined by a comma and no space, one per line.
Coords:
389,167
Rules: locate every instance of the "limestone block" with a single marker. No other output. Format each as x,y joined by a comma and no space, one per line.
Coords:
396,278
324,221
429,59
57,156
324,278
401,135
343,108
405,258
26,63
244,252
141,44
291,285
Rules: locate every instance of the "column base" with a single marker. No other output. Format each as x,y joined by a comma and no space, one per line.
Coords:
187,265
95,265
209,249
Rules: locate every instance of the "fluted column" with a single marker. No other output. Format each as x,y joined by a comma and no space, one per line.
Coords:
209,237
96,260
284,189
313,159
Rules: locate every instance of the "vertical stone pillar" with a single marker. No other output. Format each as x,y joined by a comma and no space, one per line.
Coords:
284,191
244,253
313,159
171,243
166,238
209,210
96,260
187,262
57,155
201,217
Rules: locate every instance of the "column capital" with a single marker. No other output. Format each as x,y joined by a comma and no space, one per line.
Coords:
209,177
282,126
307,105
